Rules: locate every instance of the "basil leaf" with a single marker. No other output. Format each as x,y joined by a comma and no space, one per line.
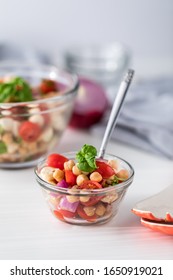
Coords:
91,160
3,147
86,158
17,90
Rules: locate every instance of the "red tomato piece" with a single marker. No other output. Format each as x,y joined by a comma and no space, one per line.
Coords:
104,169
92,201
47,86
29,131
89,184
84,216
58,215
70,177
66,213
56,161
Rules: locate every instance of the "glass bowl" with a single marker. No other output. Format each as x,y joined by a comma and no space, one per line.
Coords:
105,64
51,116
100,62
89,206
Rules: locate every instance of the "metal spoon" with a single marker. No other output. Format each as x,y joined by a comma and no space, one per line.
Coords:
119,99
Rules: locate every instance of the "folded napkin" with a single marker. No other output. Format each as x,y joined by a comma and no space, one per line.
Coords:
146,119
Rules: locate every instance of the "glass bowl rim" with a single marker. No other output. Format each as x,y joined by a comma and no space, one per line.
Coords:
123,185
44,67
89,52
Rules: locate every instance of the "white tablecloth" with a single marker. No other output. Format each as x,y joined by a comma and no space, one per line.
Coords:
29,231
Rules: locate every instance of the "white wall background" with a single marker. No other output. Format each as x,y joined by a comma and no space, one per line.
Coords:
145,26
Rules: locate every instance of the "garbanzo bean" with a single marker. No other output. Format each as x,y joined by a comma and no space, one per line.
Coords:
96,176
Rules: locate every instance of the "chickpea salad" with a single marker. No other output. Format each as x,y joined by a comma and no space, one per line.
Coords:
29,129
80,176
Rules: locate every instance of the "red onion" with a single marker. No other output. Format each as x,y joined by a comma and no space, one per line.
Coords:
66,205
62,184
90,104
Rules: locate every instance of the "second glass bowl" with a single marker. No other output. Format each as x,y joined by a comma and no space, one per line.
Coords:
29,130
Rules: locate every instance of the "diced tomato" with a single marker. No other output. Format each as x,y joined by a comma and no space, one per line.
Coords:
88,184
47,86
56,161
84,216
66,213
70,177
104,169
92,201
58,215
29,131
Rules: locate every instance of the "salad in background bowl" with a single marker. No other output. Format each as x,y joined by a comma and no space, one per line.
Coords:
36,103
81,188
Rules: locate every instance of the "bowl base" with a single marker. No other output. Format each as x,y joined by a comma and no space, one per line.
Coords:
19,165
82,222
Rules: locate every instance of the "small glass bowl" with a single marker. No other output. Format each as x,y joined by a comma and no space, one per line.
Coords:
100,204
52,115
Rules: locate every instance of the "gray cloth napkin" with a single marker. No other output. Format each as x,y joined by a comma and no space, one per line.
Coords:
10,52
146,119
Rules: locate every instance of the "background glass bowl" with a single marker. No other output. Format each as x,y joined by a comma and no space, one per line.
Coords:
52,114
105,64
104,203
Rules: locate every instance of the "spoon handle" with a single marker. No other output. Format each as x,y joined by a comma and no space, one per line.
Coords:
119,99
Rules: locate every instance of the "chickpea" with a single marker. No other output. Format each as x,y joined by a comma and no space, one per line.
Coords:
80,179
47,135
38,119
54,201
47,173
58,175
89,210
6,123
72,198
59,122
12,148
114,164
68,165
76,171
96,176
15,129
24,145
85,198
7,138
23,151
73,190
32,146
52,181
110,198
100,209
123,174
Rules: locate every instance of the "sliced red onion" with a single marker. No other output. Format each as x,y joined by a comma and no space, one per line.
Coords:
62,184
66,205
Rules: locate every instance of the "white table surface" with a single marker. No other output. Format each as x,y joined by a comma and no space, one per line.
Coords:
28,230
